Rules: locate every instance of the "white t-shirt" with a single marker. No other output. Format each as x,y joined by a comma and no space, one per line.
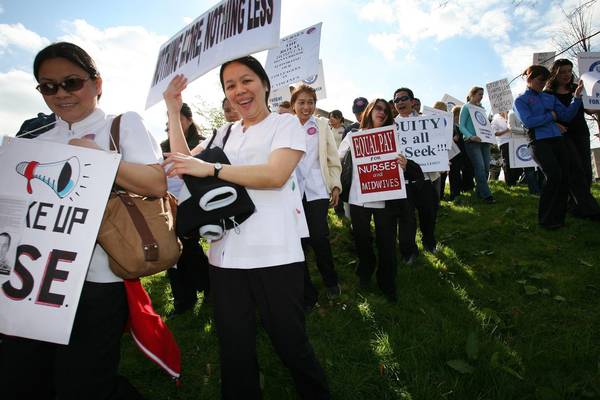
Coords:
137,145
271,236
310,177
499,124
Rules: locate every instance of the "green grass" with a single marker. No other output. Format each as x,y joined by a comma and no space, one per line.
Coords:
505,310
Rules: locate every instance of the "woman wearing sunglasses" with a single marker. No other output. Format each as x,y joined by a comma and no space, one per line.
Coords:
87,367
260,265
377,114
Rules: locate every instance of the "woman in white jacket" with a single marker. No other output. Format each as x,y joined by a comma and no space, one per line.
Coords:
319,180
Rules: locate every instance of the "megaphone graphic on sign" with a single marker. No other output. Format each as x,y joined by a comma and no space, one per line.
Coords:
61,176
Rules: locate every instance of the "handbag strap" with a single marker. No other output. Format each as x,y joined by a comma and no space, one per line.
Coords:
149,244
225,139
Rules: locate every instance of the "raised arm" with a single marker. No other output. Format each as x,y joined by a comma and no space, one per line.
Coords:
173,100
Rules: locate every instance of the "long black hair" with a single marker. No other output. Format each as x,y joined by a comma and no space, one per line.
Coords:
552,84
68,51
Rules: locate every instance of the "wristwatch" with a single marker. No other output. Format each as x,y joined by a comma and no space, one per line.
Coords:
218,167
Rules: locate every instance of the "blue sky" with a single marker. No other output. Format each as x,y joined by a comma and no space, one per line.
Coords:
369,48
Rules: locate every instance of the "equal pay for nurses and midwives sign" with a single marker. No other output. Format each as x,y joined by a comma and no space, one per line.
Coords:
55,195
231,29
374,154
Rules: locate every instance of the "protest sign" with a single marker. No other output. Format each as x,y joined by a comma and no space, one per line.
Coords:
589,62
482,126
546,59
374,153
451,102
519,153
316,82
296,58
230,29
500,95
424,140
55,195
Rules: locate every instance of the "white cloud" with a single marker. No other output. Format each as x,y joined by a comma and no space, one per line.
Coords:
18,100
16,35
187,20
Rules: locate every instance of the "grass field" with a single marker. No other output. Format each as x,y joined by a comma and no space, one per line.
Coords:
505,310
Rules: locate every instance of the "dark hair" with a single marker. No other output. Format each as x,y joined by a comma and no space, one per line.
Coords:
68,51
256,67
285,104
407,90
534,71
367,122
303,89
337,114
186,111
552,84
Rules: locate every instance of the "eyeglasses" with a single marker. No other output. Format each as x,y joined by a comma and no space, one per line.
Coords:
69,85
401,98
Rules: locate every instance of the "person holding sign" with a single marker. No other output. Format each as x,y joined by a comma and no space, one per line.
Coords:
319,179
477,151
539,113
86,368
377,114
261,263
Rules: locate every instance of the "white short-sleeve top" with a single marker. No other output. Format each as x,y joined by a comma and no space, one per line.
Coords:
137,146
271,236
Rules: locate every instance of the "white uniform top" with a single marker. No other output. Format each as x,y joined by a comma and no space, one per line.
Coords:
271,236
310,177
499,124
137,146
353,194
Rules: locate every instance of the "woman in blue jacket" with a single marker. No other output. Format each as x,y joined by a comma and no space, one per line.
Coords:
539,112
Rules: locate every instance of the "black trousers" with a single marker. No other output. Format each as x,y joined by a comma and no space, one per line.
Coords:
467,172
581,146
318,229
455,175
86,368
582,201
385,239
191,274
511,175
421,199
552,156
277,292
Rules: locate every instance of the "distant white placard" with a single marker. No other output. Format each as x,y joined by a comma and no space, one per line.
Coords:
546,59
482,125
453,149
374,153
296,58
519,152
451,102
316,82
500,95
64,189
589,62
424,140
229,30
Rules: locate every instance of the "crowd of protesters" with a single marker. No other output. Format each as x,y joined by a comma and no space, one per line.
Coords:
262,265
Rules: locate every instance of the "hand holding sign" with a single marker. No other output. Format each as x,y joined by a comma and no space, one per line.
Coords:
172,94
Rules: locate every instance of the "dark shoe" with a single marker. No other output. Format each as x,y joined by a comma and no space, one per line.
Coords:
364,283
552,227
490,200
431,249
308,307
392,298
333,292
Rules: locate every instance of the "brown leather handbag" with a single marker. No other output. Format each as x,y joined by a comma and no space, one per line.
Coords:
137,232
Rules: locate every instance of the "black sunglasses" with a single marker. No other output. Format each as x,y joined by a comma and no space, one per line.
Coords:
68,85
401,98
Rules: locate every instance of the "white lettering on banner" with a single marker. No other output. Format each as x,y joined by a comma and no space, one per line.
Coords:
500,95
296,58
64,190
231,29
374,153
